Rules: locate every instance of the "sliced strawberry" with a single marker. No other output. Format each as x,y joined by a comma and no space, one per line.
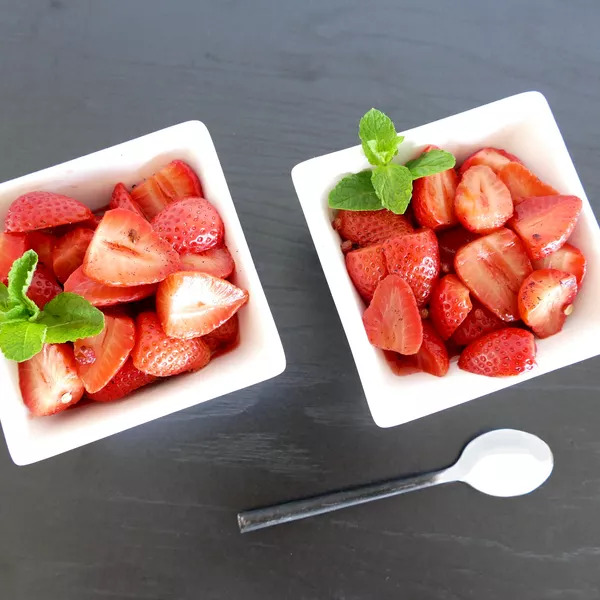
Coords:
568,258
43,245
493,267
126,251
49,382
121,198
494,158
223,336
366,227
40,210
433,199
43,286
544,223
415,257
190,225
127,380
149,197
392,320
450,242
110,349
478,322
522,183
69,252
12,246
449,305
191,304
482,201
366,267
508,351
545,300
157,354
217,262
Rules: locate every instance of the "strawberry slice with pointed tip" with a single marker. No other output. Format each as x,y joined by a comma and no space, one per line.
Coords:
41,210
125,251
522,183
190,304
478,322
544,223
450,242
449,305
493,267
366,267
392,320
224,336
127,380
217,262
12,246
545,300
568,258
43,286
69,252
43,245
121,198
494,158
366,227
506,352
49,381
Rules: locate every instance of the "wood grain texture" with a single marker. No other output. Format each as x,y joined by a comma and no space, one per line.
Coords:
150,514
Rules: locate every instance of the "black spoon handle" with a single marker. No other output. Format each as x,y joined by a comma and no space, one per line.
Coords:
259,518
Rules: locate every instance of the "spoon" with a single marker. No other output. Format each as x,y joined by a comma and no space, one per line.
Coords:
504,463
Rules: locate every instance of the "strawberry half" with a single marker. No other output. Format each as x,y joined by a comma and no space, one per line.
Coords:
545,223
49,382
223,336
121,198
494,158
69,252
40,210
449,305
12,246
449,243
217,262
191,304
43,245
478,322
190,225
366,227
508,351
493,267
392,320
100,357
43,286
366,267
545,300
127,380
482,201
568,258
522,183
157,354
415,257
126,251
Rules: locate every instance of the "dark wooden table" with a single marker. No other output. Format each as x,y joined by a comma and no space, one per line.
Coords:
150,514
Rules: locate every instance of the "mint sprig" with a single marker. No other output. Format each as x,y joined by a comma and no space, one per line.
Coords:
388,185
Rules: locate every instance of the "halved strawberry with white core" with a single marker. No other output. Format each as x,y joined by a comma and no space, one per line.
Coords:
493,267
126,251
478,322
127,380
366,227
522,183
121,198
43,286
568,258
99,294
450,242
217,262
494,158
223,336
40,210
69,252
366,267
544,223
12,246
49,381
190,304
392,320
43,245
449,305
545,300
482,201
109,350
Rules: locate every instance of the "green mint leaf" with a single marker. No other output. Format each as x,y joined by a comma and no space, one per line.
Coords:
430,163
69,317
355,192
19,279
20,340
378,136
4,297
393,185
14,313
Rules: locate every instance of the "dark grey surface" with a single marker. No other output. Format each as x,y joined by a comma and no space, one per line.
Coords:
150,514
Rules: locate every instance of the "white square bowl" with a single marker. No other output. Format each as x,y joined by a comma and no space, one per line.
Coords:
259,355
522,124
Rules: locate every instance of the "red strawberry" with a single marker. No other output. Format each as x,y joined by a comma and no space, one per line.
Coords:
127,380
43,286
478,322
493,267
415,257
366,267
12,246
568,258
157,354
99,294
49,382
126,251
191,304
121,198
109,350
494,158
217,262
522,183
40,210
69,252
450,242
482,202
508,351
223,336
366,227
449,305
190,225
544,223
43,245
545,300
392,320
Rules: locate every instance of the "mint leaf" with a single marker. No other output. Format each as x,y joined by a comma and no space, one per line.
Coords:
378,136
430,163
4,297
15,313
393,185
69,317
20,340
19,279
355,192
